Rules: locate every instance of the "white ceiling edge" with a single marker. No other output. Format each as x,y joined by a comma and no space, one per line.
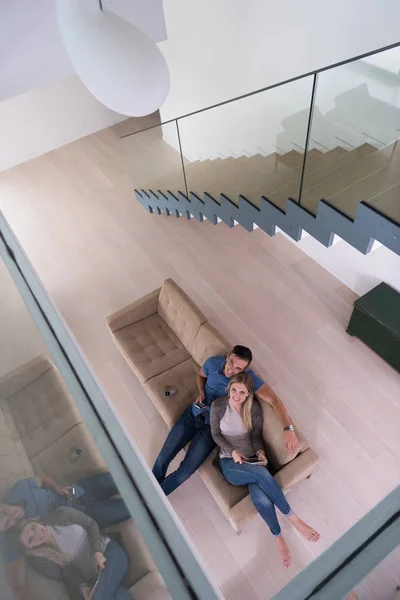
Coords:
32,49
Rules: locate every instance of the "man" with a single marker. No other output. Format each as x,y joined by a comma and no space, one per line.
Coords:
38,497
194,424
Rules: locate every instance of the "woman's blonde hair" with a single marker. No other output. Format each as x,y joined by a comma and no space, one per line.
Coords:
247,406
52,553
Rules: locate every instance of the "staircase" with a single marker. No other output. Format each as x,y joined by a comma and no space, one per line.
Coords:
354,194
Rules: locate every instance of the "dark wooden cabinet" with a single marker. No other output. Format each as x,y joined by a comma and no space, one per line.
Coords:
376,321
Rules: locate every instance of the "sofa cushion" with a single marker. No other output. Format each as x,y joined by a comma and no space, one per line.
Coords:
209,342
42,412
180,313
183,378
273,436
225,494
64,464
150,347
151,587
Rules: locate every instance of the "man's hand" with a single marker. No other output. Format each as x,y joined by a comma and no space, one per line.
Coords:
262,456
291,441
65,490
100,560
200,398
237,457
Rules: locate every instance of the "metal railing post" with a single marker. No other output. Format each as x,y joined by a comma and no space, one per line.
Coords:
308,134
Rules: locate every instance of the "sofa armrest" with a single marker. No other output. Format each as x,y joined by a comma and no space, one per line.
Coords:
150,587
20,378
138,310
297,470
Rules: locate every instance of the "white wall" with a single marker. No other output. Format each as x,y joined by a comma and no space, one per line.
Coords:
44,119
219,49
31,48
359,272
218,52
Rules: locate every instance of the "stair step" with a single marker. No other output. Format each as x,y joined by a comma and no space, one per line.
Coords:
388,202
348,176
294,158
324,169
374,184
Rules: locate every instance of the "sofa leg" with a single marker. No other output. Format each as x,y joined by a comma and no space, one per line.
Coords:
235,527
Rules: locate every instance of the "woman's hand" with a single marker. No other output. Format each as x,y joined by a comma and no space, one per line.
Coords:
100,560
262,456
85,590
237,457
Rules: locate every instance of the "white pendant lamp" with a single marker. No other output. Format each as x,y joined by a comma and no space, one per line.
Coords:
120,65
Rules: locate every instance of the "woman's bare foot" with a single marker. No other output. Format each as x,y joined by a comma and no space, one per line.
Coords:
306,531
284,552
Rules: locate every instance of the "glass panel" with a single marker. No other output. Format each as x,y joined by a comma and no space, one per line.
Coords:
251,147
382,582
62,523
154,159
49,464
356,124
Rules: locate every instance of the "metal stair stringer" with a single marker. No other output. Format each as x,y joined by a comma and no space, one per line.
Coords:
368,225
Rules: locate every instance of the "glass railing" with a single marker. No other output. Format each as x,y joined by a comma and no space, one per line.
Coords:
79,508
327,136
356,122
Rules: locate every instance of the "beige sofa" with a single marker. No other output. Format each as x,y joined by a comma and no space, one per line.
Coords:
165,338
41,431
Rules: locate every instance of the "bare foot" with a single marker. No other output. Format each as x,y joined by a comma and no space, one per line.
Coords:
306,531
284,552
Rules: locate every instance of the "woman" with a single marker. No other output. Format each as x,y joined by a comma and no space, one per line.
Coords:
236,426
70,547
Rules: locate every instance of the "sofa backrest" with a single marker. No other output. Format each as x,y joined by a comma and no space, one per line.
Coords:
209,342
274,441
180,313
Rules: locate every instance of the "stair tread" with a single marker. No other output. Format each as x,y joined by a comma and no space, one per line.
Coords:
348,176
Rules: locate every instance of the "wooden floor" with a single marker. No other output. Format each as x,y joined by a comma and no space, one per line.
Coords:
96,249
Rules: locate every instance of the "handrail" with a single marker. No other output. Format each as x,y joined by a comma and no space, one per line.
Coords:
272,86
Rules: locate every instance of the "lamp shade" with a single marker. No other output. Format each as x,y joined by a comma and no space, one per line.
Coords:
119,64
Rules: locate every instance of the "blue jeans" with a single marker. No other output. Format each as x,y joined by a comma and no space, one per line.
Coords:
264,490
116,566
97,502
188,427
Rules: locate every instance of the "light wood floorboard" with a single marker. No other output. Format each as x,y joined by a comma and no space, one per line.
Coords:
96,249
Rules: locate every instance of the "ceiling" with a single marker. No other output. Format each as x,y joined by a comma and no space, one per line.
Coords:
30,44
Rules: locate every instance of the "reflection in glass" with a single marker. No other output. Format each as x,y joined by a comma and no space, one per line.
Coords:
356,125
252,147
154,160
63,528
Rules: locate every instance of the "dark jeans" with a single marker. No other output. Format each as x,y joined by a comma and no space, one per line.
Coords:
264,490
97,502
116,566
187,428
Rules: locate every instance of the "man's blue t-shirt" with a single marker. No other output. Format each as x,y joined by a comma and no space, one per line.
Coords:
217,383
37,502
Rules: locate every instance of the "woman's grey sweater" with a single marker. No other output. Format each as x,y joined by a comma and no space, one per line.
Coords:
218,409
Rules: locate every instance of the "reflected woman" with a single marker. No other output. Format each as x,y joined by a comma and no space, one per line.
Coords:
69,547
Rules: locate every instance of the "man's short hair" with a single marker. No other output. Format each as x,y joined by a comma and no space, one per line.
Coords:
243,353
